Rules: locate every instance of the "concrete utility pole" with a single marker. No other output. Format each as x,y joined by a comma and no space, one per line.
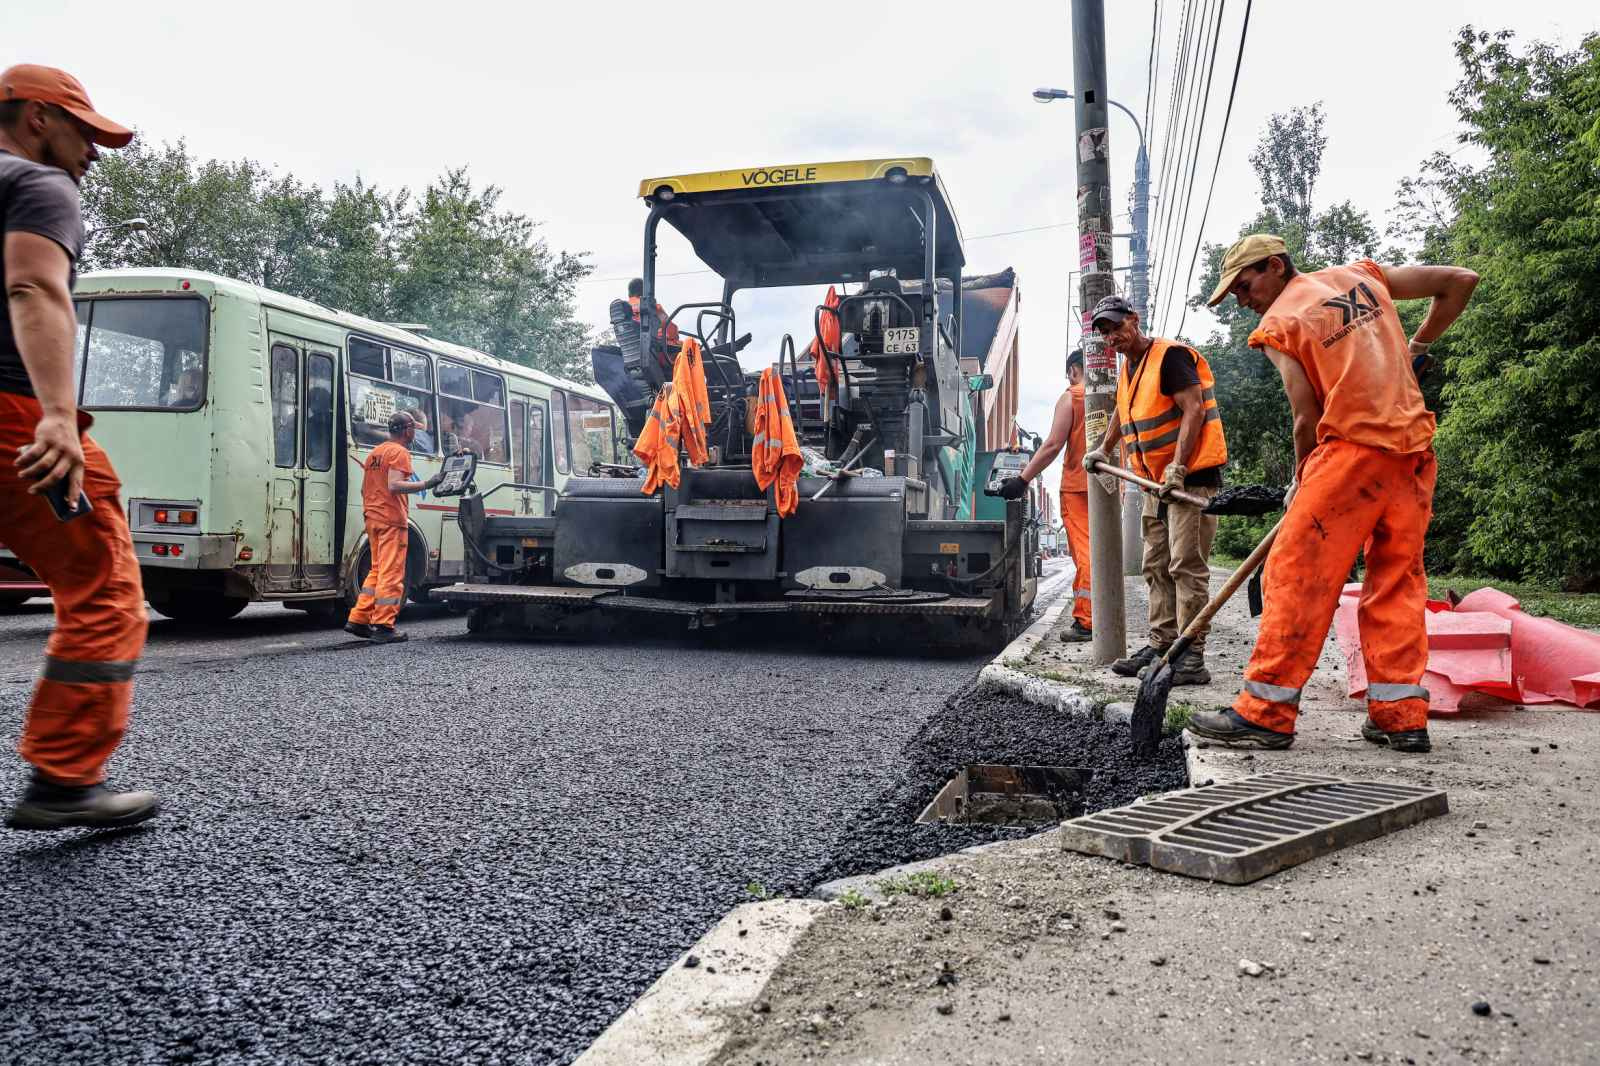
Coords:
1096,283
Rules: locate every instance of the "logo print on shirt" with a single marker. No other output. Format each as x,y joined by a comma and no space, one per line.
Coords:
1358,308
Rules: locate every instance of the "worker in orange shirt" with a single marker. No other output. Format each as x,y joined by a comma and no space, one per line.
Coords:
384,487
48,137
1364,474
635,294
1067,431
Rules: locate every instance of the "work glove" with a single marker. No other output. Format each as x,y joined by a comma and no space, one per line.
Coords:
1013,488
433,482
1172,479
1090,458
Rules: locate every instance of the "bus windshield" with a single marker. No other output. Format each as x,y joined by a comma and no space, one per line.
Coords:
143,353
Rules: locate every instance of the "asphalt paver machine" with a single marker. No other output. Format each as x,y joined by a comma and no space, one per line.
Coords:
892,537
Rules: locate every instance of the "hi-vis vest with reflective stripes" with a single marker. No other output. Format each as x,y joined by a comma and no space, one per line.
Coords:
1150,420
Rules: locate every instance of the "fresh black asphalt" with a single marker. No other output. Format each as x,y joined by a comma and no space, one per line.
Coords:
462,850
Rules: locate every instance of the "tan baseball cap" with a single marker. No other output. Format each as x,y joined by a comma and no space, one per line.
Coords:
47,85
1246,251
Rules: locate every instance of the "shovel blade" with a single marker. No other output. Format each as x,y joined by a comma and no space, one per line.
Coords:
1150,711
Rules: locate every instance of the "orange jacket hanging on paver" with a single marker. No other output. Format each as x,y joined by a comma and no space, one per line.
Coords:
1366,487
692,400
774,451
657,446
1151,420
827,341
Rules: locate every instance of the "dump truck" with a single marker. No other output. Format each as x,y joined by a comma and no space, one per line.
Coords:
884,527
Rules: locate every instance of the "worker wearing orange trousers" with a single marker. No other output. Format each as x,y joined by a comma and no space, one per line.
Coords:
80,707
385,484
1067,434
1364,483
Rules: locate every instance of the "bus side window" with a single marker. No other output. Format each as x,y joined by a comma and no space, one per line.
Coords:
519,454
285,404
558,429
472,412
537,474
319,411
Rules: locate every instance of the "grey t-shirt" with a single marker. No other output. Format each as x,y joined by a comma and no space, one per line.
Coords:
34,199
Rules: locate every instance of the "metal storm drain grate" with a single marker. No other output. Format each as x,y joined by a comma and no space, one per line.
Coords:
1241,832
991,794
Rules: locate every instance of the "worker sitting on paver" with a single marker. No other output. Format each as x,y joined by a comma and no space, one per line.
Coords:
384,487
1364,472
1171,430
1067,430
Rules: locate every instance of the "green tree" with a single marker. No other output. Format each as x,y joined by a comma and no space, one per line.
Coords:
1519,442
451,258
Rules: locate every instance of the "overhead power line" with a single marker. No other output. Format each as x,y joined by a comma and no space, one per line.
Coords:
1238,62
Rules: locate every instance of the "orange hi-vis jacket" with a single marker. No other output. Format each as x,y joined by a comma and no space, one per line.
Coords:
667,332
1073,477
1150,420
774,450
1341,326
679,417
830,337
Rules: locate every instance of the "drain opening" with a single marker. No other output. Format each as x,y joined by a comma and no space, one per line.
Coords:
994,794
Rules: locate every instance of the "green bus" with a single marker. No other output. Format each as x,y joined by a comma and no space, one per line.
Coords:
239,418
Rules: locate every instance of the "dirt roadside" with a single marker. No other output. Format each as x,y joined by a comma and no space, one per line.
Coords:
1378,953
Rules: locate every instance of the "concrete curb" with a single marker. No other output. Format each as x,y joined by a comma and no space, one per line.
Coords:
1002,675
684,1017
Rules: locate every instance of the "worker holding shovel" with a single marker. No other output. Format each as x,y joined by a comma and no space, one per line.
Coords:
1364,474
1171,430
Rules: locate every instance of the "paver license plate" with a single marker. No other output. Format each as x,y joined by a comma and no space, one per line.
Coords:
902,340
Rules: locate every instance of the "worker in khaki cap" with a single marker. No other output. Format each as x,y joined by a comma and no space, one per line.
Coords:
49,133
1171,431
1364,472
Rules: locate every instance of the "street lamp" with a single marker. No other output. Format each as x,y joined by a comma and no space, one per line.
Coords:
1138,295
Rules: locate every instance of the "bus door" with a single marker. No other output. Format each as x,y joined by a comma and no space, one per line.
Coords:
530,452
301,553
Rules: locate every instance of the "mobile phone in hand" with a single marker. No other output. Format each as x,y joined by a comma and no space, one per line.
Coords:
57,495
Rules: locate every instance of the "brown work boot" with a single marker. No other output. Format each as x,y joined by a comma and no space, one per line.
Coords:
1130,666
1226,725
49,806
1190,669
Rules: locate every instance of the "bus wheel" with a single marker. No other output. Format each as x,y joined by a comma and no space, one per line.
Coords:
200,606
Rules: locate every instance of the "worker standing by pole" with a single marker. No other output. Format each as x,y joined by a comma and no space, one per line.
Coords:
1094,285
384,487
1067,434
1364,474
78,542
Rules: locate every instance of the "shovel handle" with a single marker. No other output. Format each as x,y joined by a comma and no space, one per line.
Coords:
1229,587
1150,486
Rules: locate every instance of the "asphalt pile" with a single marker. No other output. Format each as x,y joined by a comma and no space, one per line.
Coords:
993,727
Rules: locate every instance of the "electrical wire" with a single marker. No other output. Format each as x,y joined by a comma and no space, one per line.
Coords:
1180,68
1238,63
1179,283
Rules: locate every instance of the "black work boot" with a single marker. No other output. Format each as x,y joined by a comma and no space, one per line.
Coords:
1130,666
1077,633
1190,669
1408,740
1224,724
358,629
48,806
387,635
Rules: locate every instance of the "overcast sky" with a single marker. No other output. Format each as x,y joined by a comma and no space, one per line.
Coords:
568,106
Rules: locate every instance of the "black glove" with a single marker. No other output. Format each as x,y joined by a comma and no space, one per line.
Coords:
1013,488
433,482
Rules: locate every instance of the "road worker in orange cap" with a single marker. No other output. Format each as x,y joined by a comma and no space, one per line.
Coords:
385,484
49,133
1364,473
1068,432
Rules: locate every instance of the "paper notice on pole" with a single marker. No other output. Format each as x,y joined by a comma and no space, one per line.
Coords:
1086,247
1092,145
1094,425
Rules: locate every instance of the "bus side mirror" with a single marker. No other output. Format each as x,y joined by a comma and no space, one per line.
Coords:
980,382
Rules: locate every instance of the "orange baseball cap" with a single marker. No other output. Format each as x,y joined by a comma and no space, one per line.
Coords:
47,85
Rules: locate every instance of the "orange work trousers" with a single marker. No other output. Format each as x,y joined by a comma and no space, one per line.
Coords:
1350,495
1075,517
80,705
384,590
